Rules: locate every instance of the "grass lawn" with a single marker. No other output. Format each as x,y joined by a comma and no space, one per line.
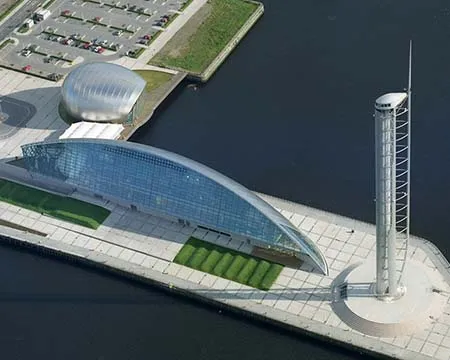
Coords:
61,207
154,78
203,46
229,264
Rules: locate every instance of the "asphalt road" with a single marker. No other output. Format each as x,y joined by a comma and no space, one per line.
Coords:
18,18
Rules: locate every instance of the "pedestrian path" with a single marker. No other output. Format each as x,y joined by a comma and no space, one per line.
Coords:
147,245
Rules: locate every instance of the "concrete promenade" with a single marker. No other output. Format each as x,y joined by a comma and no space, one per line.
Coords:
141,246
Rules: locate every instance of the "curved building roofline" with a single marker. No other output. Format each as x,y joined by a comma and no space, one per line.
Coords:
282,223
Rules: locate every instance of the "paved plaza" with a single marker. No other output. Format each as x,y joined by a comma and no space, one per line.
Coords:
146,245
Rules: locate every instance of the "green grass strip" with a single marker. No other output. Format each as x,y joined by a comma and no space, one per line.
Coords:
222,24
247,271
154,79
270,276
211,261
258,274
185,253
61,207
185,5
227,263
198,257
235,267
223,265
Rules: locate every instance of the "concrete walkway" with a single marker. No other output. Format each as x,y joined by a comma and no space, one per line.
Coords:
145,245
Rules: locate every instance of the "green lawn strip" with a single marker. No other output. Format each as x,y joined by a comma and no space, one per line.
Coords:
224,21
270,277
259,273
211,261
198,257
65,208
185,5
247,271
223,264
184,254
154,79
235,267
10,9
226,263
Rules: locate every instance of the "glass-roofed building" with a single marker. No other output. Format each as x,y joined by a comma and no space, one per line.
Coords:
101,92
165,184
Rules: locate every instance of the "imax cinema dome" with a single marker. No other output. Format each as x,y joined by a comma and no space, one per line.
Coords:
102,92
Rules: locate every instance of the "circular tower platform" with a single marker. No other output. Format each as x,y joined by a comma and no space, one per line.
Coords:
355,302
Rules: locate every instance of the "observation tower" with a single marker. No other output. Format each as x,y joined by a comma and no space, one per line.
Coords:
389,294
392,161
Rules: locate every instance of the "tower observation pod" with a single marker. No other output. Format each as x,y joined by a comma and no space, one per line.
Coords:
381,295
392,159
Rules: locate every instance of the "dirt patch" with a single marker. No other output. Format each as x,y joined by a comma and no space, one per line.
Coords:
179,43
6,4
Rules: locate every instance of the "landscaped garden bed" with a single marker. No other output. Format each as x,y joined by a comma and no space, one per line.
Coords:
61,207
229,264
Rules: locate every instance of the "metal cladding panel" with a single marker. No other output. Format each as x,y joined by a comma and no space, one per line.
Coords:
171,185
101,91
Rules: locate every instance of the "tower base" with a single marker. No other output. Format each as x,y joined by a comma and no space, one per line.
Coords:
356,304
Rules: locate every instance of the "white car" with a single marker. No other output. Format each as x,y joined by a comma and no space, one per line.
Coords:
26,53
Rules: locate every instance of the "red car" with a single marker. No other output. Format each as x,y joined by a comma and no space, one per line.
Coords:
101,50
87,45
65,12
147,37
26,68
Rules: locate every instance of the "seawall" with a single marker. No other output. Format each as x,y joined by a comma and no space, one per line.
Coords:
255,305
167,283
220,58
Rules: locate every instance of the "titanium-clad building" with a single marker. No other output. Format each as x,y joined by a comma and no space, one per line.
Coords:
166,184
102,92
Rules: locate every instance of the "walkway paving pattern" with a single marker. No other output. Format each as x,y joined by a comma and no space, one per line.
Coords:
146,245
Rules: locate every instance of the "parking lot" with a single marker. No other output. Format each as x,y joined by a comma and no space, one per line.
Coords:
79,31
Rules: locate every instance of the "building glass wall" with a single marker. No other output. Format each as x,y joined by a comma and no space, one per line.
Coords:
170,185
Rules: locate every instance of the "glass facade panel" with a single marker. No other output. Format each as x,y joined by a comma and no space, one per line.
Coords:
153,179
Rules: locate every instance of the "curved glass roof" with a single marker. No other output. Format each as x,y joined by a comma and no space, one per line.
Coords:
170,184
101,91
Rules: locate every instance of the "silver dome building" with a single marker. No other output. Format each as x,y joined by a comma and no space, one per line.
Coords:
102,92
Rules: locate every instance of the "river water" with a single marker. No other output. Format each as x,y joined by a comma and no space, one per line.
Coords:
289,114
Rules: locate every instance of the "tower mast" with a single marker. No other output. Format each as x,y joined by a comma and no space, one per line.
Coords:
392,158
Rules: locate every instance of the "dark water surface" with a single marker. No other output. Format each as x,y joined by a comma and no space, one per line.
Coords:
289,114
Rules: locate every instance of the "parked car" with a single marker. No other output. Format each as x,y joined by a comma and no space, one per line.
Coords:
27,68
118,32
65,12
143,41
147,37
101,50
26,53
